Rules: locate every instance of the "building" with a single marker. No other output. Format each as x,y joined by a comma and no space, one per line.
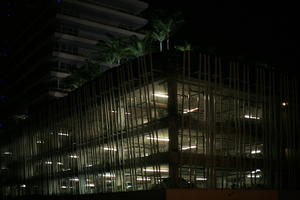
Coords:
55,40
165,120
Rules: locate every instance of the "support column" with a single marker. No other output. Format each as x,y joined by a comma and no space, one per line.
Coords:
173,128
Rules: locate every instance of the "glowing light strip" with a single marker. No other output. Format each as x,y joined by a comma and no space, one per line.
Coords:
251,117
74,156
254,176
190,147
188,111
158,139
143,179
161,95
62,134
155,170
201,179
255,151
256,171
109,175
109,149
74,179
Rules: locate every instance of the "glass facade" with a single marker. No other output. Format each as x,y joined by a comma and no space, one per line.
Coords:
186,120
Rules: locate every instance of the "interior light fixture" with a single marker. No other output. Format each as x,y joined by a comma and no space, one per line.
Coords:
23,186
189,147
253,176
62,134
74,179
143,179
158,139
188,111
256,171
284,104
256,151
201,179
48,162
109,149
7,153
161,95
251,117
74,156
109,175
155,170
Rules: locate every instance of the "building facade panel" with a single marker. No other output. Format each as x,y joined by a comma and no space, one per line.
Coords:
186,120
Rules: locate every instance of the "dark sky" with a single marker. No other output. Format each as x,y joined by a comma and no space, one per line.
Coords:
266,32
251,30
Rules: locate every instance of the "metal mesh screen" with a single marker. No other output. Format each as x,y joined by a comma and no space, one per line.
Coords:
187,120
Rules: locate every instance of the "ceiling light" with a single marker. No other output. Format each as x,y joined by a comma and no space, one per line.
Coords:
188,111
62,134
251,117
255,151
189,147
109,149
143,179
155,170
201,179
161,95
158,139
74,156
74,179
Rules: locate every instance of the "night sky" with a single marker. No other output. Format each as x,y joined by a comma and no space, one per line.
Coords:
266,32
258,32
251,31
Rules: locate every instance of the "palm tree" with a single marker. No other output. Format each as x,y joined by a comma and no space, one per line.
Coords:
138,47
112,51
159,33
163,29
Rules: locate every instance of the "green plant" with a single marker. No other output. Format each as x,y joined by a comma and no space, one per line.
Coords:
138,47
164,28
115,51
111,51
185,47
86,73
